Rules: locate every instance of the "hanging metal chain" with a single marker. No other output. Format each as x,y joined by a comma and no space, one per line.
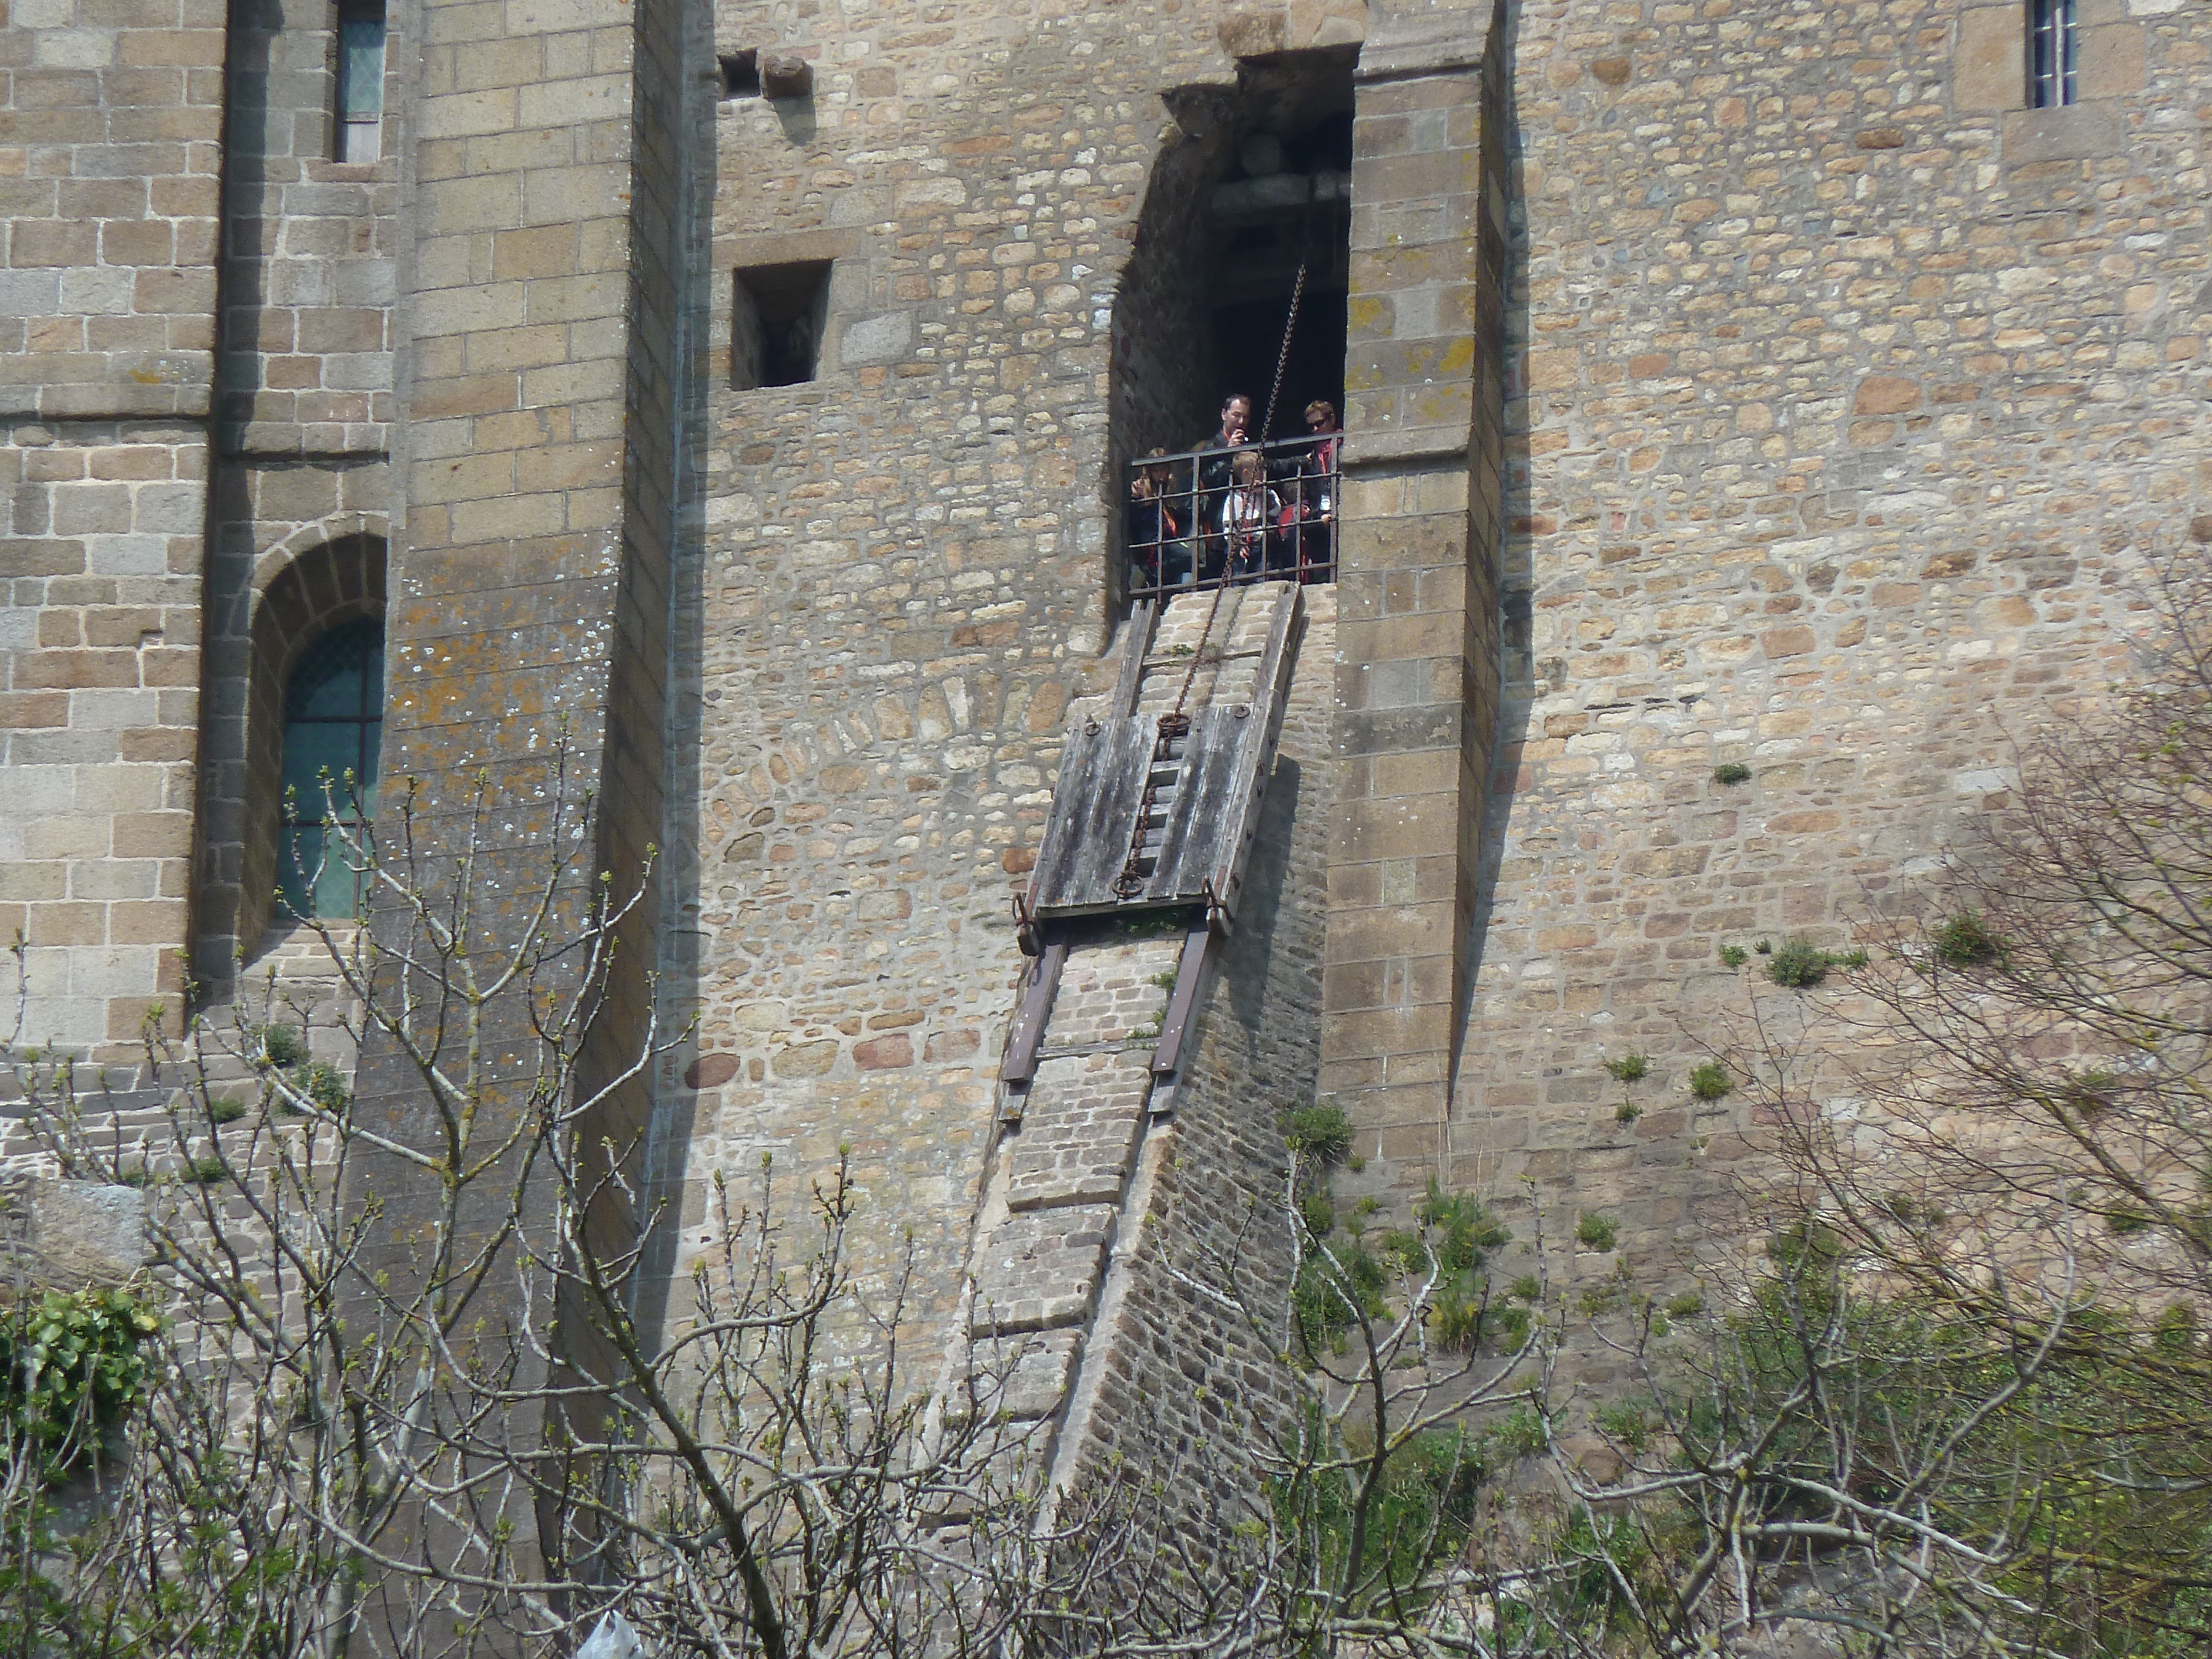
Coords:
1283,357
1175,725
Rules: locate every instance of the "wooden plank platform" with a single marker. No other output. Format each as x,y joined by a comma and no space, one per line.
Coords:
1208,794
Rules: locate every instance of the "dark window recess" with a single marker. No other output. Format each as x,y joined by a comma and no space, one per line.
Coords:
741,75
360,136
333,724
776,318
2053,42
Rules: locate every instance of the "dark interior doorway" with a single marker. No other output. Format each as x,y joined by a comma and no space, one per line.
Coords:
1283,202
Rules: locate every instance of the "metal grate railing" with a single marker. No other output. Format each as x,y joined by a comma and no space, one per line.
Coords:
1258,512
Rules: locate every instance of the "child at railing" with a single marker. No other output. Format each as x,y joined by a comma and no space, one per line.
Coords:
1248,513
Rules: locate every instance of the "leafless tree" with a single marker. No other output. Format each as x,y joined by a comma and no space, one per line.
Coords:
1964,1407
411,1393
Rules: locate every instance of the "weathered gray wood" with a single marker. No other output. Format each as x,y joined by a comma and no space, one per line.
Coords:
1212,814
1211,755
1135,643
1167,1054
1240,815
1094,811
1019,1065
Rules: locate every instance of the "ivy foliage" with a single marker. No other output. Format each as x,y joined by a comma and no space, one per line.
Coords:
73,1368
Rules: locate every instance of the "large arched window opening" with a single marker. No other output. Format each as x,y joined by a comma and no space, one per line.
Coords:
333,723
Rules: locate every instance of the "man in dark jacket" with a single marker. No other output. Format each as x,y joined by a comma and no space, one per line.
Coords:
1214,480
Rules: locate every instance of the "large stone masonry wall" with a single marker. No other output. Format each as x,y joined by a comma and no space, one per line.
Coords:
111,123
309,245
903,571
111,118
101,537
1857,410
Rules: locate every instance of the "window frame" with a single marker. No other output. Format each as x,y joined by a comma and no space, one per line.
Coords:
357,101
2054,53
296,812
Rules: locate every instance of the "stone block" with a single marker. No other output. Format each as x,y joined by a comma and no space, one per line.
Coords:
1040,1269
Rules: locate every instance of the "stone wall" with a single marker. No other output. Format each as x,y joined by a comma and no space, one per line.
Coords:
110,159
1858,405
99,643
903,571
309,245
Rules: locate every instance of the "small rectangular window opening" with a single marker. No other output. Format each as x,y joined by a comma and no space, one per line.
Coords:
741,74
776,317
2053,41
360,136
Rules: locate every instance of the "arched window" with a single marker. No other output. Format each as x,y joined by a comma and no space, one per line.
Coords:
334,721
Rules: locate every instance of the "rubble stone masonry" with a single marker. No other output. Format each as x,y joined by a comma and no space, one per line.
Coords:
1752,381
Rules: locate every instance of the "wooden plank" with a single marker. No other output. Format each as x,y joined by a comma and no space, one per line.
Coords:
1212,754
1167,1054
1240,815
1094,811
1061,846
1019,1065
1137,640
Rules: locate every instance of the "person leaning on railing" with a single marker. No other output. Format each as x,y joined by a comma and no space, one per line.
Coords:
1314,497
1159,526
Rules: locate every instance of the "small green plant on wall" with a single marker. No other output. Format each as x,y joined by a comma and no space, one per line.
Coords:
1800,963
1734,956
1732,772
1710,1081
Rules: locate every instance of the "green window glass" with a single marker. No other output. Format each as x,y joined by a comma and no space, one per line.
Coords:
360,81
333,723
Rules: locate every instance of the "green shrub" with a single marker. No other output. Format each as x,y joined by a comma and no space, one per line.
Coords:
1464,1229
1521,1433
324,1084
1625,1424
2174,1332
1528,1288
1798,963
1456,1319
1734,956
70,1367
1319,1214
1765,947
205,1171
1595,1231
1685,1304
1732,772
1629,1068
1627,1112
2126,1223
1403,1251
1710,1081
225,1111
1319,1130
280,1046
2091,1094
1326,1301
1961,941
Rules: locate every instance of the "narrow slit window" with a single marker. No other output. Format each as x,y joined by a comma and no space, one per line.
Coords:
777,314
333,724
360,135
2052,45
741,74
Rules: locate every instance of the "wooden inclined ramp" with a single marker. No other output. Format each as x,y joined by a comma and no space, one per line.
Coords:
1196,794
